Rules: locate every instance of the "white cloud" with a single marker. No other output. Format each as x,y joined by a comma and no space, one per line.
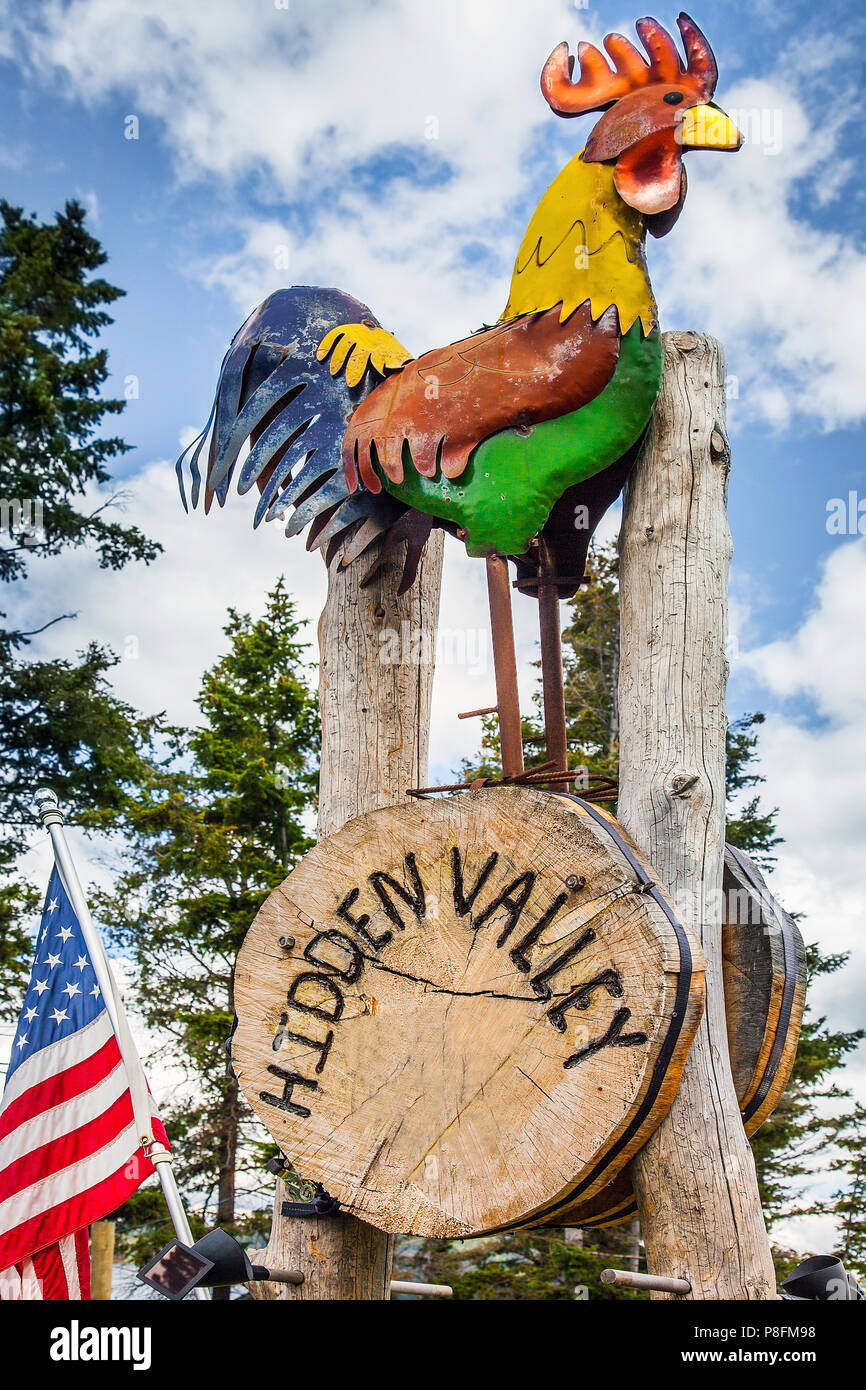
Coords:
170,614
89,199
815,768
812,753
824,659
297,99
749,263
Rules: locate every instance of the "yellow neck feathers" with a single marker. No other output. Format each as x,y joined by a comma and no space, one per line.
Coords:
583,243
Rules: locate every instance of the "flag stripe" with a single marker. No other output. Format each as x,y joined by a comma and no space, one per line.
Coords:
98,1201
69,1261
58,1057
60,1187
31,1284
64,1150
73,1097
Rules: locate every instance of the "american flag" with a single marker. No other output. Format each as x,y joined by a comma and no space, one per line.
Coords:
70,1143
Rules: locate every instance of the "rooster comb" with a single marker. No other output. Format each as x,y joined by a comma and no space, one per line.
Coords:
600,85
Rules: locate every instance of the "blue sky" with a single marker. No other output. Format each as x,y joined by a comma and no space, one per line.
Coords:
301,131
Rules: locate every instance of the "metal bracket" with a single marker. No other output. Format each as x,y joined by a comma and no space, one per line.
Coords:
323,1204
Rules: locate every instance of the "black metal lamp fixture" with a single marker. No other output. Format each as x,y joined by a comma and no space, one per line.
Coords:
214,1261
822,1278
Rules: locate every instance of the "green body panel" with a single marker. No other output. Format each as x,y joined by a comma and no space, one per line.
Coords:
513,479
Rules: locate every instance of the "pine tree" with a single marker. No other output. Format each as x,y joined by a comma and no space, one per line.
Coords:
64,727
849,1202
219,821
752,829
61,722
590,645
51,407
788,1143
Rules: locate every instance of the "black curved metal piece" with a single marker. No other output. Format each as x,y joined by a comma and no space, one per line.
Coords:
823,1279
273,392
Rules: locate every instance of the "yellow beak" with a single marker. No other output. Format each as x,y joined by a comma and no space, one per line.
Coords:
706,127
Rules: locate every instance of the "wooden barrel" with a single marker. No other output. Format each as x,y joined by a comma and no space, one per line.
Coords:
461,1015
764,962
764,969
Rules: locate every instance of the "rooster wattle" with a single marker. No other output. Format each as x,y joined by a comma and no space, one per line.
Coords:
522,429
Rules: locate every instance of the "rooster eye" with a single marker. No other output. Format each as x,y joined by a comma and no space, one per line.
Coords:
673,98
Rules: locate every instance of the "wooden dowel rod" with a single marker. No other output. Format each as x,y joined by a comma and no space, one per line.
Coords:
293,1276
627,1279
430,1290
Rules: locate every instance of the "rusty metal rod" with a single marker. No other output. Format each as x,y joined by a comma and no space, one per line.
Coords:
553,685
627,1279
504,665
474,713
606,791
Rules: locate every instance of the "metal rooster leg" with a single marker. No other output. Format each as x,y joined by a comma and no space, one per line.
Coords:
504,666
553,687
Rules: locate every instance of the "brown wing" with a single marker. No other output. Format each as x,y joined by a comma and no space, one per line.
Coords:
519,373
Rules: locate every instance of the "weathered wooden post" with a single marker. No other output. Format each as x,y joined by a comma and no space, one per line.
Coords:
695,1178
101,1259
375,726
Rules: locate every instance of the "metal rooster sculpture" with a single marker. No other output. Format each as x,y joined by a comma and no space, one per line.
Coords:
519,437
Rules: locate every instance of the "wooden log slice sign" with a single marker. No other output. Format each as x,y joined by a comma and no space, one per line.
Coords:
764,972
459,1015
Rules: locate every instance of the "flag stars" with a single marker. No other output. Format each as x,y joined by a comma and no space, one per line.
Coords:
59,1016
81,963
95,992
40,986
51,961
53,905
30,1014
22,1040
71,990
65,933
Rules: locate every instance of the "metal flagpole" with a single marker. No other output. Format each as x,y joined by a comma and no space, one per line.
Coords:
49,812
